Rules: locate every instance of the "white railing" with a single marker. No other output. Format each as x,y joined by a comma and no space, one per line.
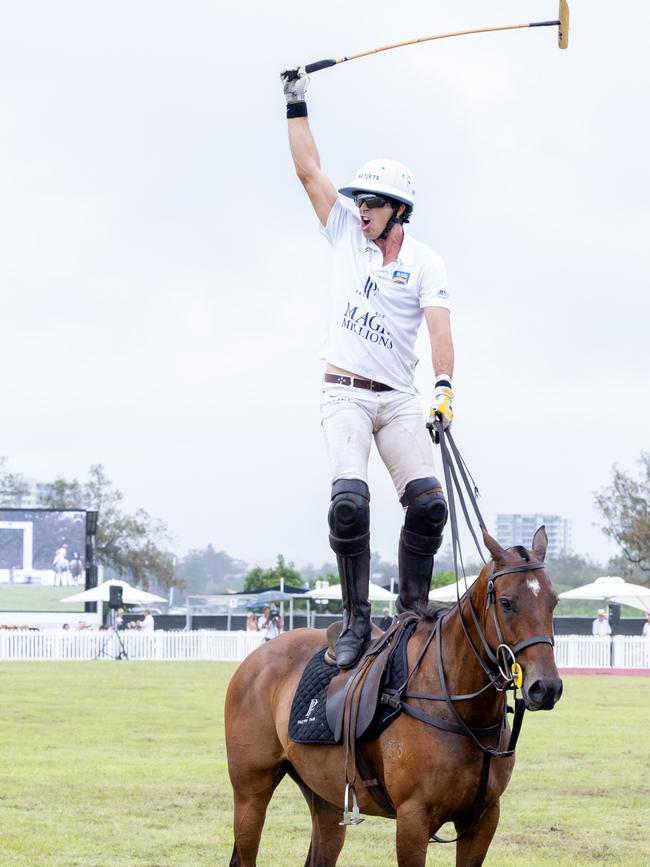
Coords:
61,645
589,651
582,651
571,651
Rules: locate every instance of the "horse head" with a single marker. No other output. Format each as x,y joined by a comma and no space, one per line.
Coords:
518,605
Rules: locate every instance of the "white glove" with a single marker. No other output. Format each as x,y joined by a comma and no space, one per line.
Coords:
441,408
295,83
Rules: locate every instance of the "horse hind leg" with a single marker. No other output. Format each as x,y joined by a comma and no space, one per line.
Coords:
251,802
327,836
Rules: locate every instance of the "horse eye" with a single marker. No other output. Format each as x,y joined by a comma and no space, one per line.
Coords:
506,604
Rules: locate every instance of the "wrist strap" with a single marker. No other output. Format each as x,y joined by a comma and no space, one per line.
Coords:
443,380
296,109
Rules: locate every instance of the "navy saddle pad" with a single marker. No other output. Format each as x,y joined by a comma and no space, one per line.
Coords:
308,722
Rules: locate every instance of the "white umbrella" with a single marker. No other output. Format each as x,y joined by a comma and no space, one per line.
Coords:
101,593
450,592
611,588
333,591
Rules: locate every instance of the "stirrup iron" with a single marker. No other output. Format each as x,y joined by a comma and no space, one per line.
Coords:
353,816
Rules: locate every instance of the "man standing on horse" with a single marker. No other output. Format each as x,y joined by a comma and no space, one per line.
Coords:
385,283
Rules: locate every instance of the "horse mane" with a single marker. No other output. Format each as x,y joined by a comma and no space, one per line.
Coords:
432,612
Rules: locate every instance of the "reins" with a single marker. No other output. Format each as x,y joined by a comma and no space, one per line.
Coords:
501,668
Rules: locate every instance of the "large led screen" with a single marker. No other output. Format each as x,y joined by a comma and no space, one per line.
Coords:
42,559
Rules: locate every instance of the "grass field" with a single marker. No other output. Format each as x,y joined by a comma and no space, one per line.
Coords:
123,763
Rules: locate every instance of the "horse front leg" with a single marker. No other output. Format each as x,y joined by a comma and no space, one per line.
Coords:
472,847
414,822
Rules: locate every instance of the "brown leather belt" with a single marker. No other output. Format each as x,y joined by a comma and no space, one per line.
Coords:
356,382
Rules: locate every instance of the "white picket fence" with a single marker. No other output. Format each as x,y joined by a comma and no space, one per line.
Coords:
61,645
587,651
571,651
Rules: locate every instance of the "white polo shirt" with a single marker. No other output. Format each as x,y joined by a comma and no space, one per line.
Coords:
375,310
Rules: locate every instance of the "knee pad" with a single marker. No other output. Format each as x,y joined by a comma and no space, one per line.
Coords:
349,517
426,515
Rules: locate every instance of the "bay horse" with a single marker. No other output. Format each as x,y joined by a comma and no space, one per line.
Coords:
431,775
76,568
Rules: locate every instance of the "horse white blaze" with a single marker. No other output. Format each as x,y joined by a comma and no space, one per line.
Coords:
534,585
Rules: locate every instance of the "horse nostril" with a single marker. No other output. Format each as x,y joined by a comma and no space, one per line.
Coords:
545,693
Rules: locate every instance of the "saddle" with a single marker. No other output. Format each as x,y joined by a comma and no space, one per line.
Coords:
348,708
353,693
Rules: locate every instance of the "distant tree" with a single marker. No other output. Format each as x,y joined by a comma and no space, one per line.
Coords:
13,486
625,509
206,571
381,571
442,579
311,574
259,579
572,570
331,577
444,559
130,545
622,567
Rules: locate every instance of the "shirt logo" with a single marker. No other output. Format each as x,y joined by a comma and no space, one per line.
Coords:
369,287
442,293
367,325
400,277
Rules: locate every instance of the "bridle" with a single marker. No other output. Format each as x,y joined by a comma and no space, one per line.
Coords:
504,658
500,665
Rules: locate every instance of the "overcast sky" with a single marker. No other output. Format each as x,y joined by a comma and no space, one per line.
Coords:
164,283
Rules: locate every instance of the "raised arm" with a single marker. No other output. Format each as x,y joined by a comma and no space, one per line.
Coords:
321,191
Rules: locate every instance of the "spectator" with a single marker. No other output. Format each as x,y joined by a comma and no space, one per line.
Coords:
645,632
251,622
66,626
119,619
274,624
147,625
386,621
601,626
263,619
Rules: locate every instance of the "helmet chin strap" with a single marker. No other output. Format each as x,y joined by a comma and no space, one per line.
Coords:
394,221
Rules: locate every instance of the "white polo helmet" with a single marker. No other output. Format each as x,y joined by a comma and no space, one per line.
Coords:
384,177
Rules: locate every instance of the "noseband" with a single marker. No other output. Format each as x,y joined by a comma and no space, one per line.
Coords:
505,650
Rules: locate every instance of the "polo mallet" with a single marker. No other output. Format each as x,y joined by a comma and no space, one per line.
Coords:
563,39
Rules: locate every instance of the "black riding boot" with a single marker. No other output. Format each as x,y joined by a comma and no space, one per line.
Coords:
415,565
349,521
421,537
355,575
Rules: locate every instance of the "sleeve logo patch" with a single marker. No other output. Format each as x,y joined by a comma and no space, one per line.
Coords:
400,277
442,293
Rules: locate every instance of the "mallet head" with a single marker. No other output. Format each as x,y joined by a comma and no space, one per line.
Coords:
563,30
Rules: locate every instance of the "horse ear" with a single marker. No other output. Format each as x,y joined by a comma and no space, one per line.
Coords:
497,552
540,543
